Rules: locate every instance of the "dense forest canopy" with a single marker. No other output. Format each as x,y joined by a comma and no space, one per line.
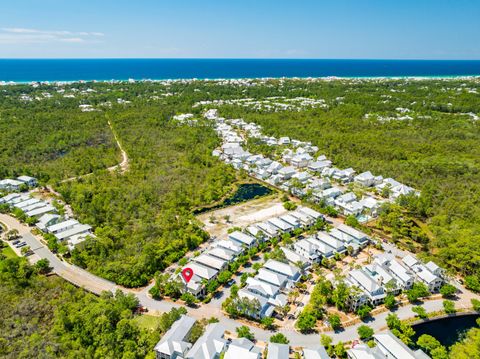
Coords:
45,317
424,133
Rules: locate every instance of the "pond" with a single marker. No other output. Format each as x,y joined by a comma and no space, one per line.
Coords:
447,330
244,192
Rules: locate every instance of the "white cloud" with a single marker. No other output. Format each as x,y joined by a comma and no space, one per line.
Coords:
18,35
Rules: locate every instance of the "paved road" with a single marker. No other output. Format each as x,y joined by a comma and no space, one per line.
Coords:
71,273
92,283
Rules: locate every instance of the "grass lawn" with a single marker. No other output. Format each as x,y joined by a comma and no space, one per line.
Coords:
8,252
147,321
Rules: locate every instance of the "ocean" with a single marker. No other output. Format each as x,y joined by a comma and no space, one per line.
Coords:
26,70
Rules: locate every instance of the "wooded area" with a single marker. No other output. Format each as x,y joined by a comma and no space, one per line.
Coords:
143,219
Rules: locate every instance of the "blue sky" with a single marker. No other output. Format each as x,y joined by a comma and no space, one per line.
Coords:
396,29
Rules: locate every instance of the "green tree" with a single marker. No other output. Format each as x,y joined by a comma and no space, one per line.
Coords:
418,290
448,290
365,332
43,266
268,323
432,347
245,332
420,311
306,322
393,322
449,306
279,338
475,304
188,298
325,340
390,301
352,221
334,320
340,350
364,311
467,348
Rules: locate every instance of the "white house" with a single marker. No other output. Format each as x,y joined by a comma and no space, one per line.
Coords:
210,345
174,343
265,308
290,220
359,237
375,293
287,172
62,226
29,181
211,261
284,227
262,288
310,212
304,219
301,160
365,179
393,348
242,348
242,239
308,250
10,185
40,211
222,253
284,141
269,230
319,166
75,230
278,351
274,278
337,245
47,220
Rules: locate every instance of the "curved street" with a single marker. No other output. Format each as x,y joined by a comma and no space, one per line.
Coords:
92,283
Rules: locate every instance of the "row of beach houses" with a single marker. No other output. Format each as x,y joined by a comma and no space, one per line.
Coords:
209,264
12,185
386,275
214,344
301,172
65,229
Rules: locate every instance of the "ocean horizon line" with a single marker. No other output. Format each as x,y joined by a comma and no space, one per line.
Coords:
157,69
234,58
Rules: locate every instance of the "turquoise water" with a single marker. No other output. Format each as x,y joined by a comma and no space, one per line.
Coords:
25,70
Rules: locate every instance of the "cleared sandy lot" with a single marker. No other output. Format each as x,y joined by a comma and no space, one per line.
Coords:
241,215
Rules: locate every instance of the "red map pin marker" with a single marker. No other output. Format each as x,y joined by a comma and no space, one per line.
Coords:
187,274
